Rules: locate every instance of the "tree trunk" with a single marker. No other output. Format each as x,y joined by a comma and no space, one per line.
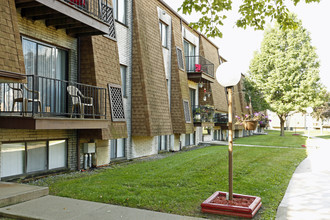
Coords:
282,120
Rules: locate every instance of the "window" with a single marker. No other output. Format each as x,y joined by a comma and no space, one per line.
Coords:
192,98
186,111
116,103
34,156
162,143
187,139
51,64
119,7
180,58
163,33
189,52
123,72
118,147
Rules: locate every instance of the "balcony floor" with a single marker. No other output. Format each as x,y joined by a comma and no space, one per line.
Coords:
46,123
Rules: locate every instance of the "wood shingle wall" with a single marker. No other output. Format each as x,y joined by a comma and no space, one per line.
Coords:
150,106
11,52
100,66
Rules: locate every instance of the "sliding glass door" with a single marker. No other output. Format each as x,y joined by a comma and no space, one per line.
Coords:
50,64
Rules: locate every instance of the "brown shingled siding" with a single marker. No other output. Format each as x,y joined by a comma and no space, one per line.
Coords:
11,52
100,66
218,92
179,80
150,107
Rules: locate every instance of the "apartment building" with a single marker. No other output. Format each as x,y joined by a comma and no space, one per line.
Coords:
60,93
86,83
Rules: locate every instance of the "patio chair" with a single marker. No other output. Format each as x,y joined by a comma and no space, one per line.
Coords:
25,99
79,100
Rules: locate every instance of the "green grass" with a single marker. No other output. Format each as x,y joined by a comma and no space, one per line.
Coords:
180,183
324,136
273,138
317,133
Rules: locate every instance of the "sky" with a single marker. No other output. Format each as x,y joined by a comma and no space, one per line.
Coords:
238,45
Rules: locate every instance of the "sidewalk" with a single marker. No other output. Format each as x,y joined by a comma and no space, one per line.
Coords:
60,208
308,193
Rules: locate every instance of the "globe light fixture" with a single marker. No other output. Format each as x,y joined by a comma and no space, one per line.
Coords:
228,75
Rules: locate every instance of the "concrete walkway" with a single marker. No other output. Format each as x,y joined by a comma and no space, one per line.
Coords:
308,194
60,208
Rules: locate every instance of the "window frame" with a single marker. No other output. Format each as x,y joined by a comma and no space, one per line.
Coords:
186,111
25,173
163,27
114,145
180,59
123,80
116,11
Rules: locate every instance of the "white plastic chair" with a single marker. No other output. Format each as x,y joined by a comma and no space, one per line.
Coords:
78,99
24,99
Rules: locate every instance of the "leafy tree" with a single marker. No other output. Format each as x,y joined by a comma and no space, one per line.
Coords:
285,73
254,13
322,112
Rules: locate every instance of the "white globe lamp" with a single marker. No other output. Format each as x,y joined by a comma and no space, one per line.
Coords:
228,74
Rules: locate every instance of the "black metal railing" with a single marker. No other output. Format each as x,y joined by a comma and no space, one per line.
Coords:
203,113
220,118
48,97
199,64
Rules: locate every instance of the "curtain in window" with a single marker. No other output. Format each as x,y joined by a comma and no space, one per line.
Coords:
12,159
36,156
57,154
119,7
60,73
123,70
120,148
51,62
189,50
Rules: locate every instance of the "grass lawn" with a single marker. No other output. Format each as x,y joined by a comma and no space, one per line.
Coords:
273,138
181,182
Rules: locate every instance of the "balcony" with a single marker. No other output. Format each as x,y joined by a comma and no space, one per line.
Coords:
203,115
199,69
78,17
47,103
221,119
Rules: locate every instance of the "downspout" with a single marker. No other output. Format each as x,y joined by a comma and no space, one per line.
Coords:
78,80
129,103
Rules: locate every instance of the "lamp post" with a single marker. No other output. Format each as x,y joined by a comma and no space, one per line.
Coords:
309,110
228,76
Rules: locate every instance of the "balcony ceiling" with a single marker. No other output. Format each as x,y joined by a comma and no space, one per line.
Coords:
62,15
200,77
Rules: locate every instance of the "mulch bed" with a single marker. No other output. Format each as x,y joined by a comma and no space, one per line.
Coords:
243,202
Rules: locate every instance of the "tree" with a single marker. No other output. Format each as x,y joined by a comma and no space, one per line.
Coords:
285,73
254,13
322,112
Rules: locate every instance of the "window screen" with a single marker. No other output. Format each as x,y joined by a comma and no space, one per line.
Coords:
180,58
186,111
116,103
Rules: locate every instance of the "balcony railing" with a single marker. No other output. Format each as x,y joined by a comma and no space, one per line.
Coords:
48,97
199,64
220,118
100,9
202,113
